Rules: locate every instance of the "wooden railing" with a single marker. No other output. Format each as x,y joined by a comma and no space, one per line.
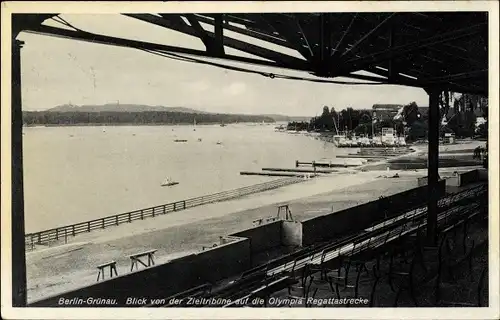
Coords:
62,233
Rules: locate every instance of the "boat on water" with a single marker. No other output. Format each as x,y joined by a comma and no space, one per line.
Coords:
280,128
218,142
194,125
180,140
168,182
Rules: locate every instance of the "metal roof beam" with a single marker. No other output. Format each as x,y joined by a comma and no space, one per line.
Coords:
120,42
219,34
423,82
22,21
168,21
285,28
392,63
336,52
201,33
361,63
460,76
236,19
373,32
247,32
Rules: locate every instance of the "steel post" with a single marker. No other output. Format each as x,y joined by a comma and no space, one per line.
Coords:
433,165
19,298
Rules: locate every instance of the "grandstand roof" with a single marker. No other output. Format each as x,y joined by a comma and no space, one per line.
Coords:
446,50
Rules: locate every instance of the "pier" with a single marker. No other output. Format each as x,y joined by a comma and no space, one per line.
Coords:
323,164
275,174
359,156
300,170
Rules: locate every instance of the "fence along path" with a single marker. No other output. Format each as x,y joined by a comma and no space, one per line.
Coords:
46,236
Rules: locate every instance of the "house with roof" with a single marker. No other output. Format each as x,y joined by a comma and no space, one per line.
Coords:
385,111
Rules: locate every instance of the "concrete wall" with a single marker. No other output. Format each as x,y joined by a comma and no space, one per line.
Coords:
225,260
263,237
469,177
465,178
357,218
423,181
338,223
291,233
164,280
453,181
483,175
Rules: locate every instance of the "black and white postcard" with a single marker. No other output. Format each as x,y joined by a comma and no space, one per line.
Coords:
274,159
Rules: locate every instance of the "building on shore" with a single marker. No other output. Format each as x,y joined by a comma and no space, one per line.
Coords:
385,111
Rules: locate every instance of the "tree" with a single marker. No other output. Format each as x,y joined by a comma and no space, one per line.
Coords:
411,113
350,118
418,130
365,117
463,121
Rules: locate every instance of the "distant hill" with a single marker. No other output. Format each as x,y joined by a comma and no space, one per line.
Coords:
114,107
132,114
121,108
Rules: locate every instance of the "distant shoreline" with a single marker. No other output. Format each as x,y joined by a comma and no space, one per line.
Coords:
135,124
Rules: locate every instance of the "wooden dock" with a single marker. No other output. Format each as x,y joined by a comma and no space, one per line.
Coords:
360,156
274,174
324,164
300,170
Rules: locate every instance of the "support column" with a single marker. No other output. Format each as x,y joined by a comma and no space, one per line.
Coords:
433,164
19,297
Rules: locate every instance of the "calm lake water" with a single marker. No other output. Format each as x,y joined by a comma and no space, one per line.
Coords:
73,174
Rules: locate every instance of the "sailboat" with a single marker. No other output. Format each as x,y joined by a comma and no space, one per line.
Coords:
168,182
194,124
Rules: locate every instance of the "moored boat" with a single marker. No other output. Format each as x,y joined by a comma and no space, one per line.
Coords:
168,182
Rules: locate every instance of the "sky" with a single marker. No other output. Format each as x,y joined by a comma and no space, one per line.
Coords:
58,71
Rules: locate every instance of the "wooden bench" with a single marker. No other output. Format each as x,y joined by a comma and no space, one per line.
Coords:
181,297
263,291
241,285
112,268
135,259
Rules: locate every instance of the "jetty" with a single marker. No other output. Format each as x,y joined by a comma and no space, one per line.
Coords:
324,164
274,174
300,170
359,156
392,150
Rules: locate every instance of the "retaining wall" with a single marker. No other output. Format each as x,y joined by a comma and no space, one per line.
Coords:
483,174
353,219
263,237
469,177
465,178
164,280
